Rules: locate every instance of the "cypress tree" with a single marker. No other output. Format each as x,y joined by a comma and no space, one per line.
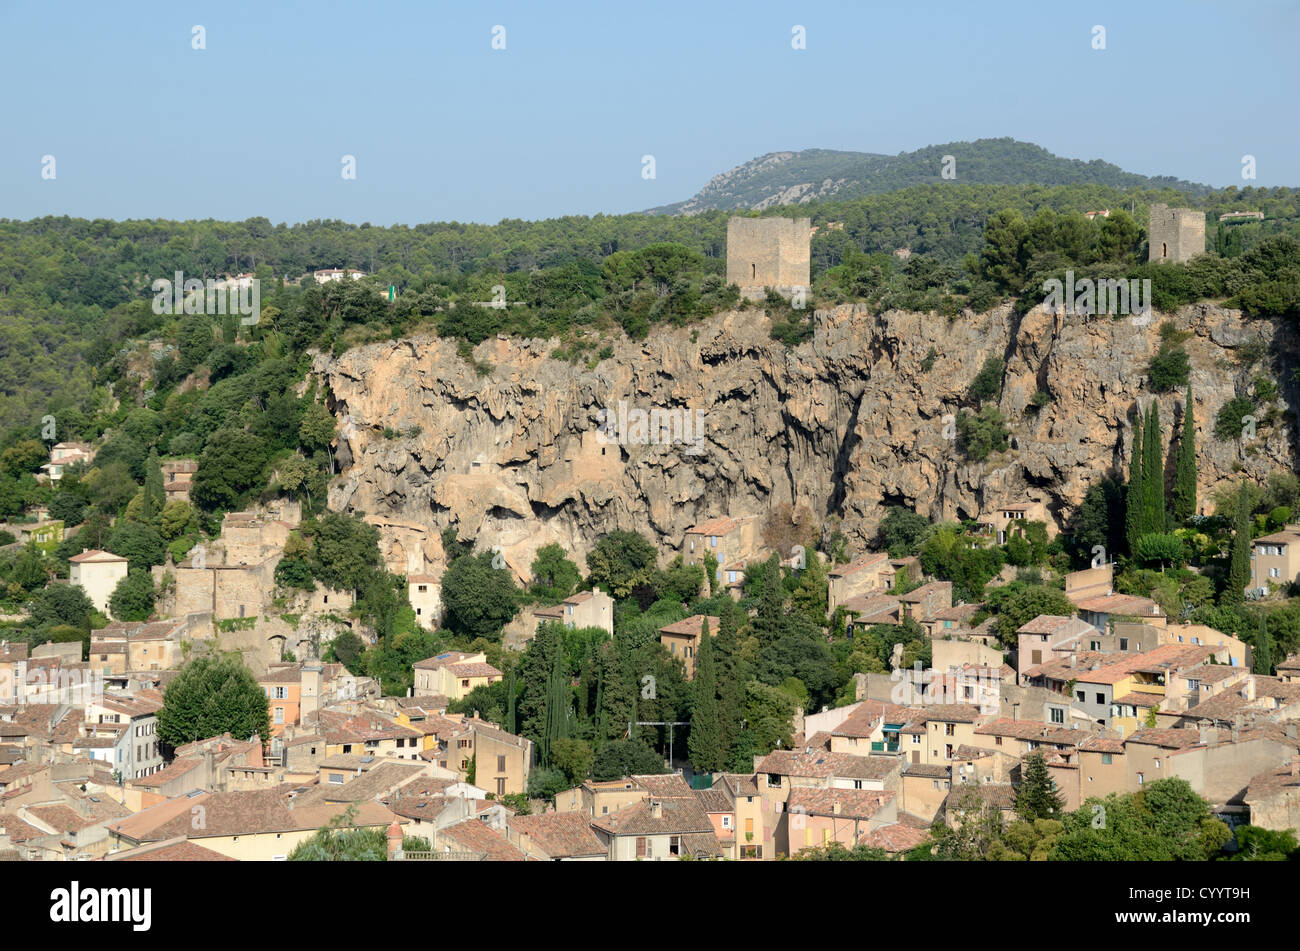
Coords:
1263,659
557,706
154,494
1184,495
1239,565
1134,496
1153,475
705,742
731,675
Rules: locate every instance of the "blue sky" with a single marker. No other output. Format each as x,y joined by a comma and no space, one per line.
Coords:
444,127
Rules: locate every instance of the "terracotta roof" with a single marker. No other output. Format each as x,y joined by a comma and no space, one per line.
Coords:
559,834
664,785
474,670
820,765
181,851
1126,604
714,526
852,803
895,838
690,627
861,563
677,816
96,555
1052,623
1101,744
474,835
1030,730
246,812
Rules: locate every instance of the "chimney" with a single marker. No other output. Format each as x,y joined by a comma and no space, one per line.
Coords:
1295,767
1074,659
656,809
836,807
1248,690
394,840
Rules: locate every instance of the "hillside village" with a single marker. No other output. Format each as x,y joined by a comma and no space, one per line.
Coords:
1109,697
216,654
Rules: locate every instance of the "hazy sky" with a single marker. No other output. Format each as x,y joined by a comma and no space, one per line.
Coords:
442,126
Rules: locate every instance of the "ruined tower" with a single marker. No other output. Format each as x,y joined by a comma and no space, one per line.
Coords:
1177,234
768,252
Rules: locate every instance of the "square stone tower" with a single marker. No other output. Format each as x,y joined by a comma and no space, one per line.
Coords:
1177,234
768,252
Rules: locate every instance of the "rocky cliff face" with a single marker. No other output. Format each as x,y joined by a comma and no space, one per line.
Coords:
845,424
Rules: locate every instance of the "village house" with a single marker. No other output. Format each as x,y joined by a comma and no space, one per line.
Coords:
818,817
13,671
585,609
1275,559
453,674
726,539
501,760
556,837
1273,797
1006,516
65,454
425,595
859,577
250,825
682,639
178,478
98,573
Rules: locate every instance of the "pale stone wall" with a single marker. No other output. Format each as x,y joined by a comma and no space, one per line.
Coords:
1176,234
768,252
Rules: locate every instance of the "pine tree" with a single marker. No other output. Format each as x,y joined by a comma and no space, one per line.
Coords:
1153,475
1037,797
1134,497
1239,565
705,741
1263,653
1184,495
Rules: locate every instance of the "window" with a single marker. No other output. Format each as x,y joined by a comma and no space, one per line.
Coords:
1107,759
501,786
713,541
1123,643
1141,779
501,764
674,845
950,729
1193,684
857,784
726,822
1094,645
1157,763
642,847
1058,715
916,738
997,741
336,779
1101,698
1079,694
279,715
773,781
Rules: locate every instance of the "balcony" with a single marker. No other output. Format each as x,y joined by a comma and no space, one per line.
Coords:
884,747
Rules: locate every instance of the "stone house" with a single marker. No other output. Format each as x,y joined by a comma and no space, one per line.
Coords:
682,638
453,674
861,576
727,539
98,573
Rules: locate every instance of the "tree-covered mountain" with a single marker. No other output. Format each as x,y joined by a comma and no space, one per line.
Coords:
799,178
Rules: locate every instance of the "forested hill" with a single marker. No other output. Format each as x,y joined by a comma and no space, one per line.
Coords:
785,178
75,295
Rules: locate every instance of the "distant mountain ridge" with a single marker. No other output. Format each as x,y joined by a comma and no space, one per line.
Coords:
795,178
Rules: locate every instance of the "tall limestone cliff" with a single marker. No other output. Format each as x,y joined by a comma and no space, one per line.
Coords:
846,424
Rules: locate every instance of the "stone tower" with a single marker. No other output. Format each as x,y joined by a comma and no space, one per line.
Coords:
768,252
1177,234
